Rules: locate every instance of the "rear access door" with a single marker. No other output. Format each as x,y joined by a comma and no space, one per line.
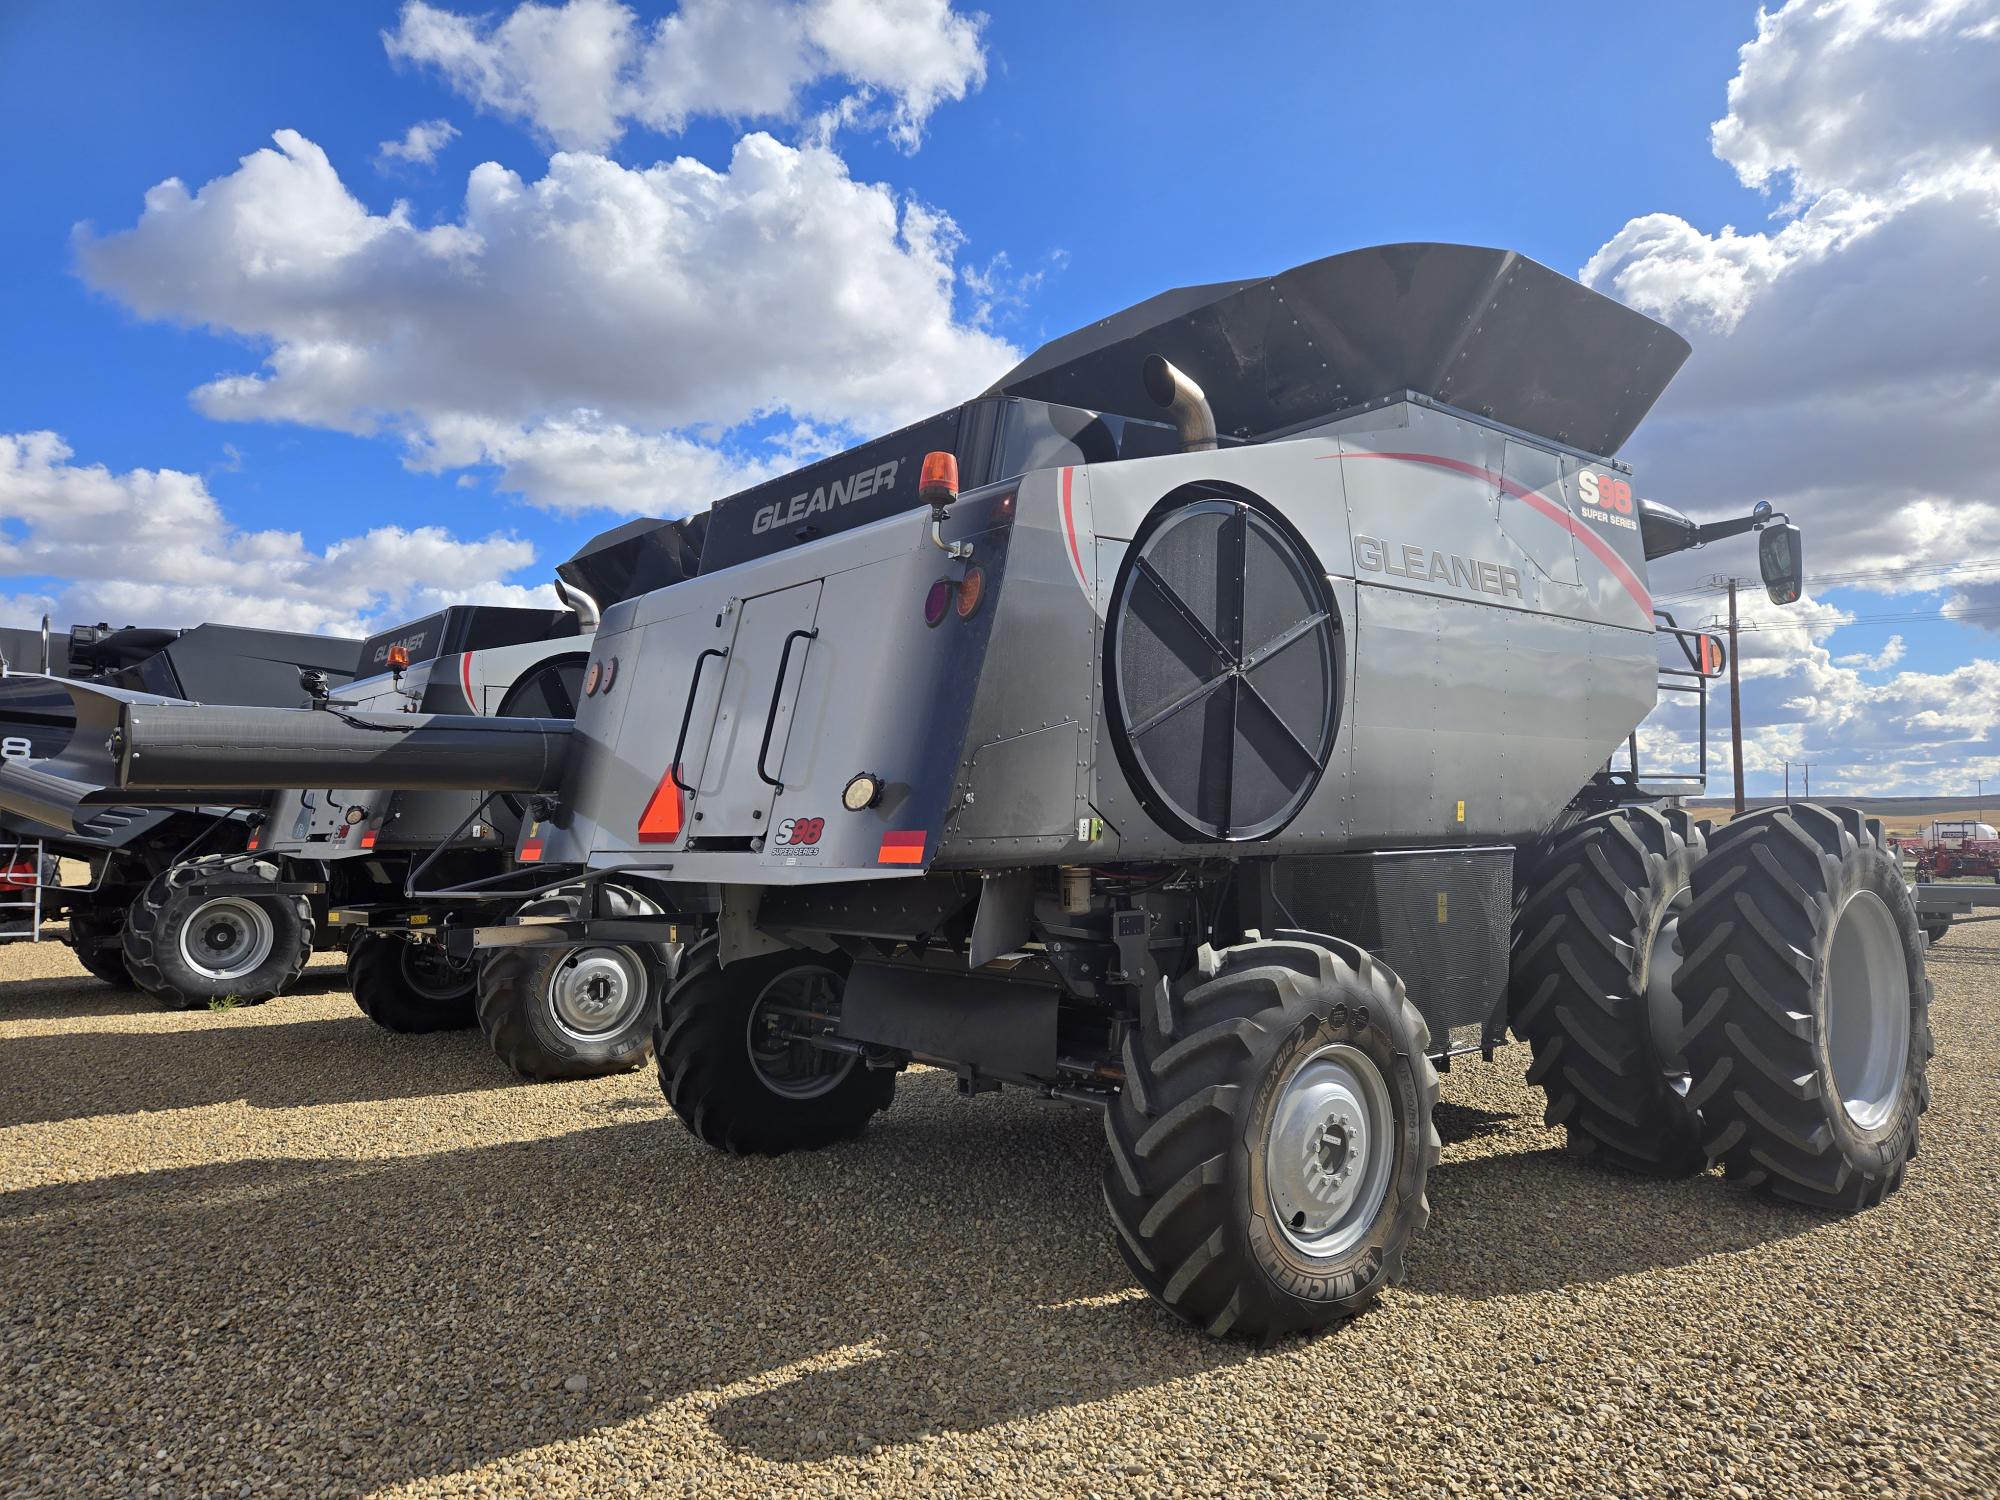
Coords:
738,772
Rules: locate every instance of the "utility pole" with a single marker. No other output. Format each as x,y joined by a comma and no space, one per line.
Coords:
1805,766
1736,704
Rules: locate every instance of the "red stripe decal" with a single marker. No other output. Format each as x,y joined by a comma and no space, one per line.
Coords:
465,677
1069,531
1599,548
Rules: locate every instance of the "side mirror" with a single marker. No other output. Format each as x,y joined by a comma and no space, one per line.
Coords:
1781,561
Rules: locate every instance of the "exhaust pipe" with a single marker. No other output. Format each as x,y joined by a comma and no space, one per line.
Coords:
1171,388
588,615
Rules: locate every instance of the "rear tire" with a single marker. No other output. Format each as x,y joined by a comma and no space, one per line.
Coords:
411,987
1590,941
552,1014
1808,1009
734,1084
98,941
1937,930
187,948
1271,1142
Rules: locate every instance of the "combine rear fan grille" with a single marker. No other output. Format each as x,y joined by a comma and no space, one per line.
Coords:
1223,660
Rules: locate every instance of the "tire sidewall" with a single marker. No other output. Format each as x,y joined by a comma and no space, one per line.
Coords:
1881,1151
612,1047
184,894
1355,1272
741,984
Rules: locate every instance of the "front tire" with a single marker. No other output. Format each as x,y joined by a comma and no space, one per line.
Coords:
1808,1009
735,1079
1591,990
187,947
411,987
1270,1145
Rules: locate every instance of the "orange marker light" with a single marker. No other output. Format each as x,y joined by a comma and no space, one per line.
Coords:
368,839
399,658
937,483
904,847
971,589
661,822
1711,656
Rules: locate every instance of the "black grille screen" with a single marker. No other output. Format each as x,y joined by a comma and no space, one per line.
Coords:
1439,917
1222,662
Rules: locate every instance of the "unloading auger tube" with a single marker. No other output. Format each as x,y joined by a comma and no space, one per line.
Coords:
270,749
173,752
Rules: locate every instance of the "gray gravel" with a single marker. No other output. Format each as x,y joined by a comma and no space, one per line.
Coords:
278,1250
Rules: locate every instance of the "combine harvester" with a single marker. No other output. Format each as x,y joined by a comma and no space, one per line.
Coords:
332,867
1230,775
125,845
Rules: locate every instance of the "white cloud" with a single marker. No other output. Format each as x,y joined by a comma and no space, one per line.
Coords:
1845,362
624,317
581,72
420,144
154,547
1846,367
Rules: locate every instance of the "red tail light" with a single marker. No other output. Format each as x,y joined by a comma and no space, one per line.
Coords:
661,822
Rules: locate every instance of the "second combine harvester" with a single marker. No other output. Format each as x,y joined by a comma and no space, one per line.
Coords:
1228,776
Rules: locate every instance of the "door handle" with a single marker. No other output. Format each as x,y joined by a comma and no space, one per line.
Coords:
687,713
777,694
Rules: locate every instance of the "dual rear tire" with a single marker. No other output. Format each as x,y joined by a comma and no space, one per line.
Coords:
1759,1002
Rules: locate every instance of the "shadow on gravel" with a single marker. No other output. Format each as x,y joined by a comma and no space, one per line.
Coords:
273,1065
1539,1221
405,1319
1463,1122
60,997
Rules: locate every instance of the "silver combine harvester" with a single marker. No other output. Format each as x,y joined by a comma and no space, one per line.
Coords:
1230,773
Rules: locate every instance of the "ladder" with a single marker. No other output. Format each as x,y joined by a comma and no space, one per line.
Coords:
21,882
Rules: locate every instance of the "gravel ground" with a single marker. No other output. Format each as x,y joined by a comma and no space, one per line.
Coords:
276,1250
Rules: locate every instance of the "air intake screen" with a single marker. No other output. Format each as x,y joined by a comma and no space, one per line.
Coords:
1223,658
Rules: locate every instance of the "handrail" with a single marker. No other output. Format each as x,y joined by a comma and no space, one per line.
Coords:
777,695
687,717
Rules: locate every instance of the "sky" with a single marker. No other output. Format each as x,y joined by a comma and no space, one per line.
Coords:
321,315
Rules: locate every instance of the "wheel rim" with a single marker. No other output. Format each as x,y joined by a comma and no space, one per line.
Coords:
227,938
1331,1151
429,972
787,1064
1867,1009
595,992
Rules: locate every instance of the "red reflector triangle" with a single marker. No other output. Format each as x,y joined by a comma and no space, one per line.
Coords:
660,823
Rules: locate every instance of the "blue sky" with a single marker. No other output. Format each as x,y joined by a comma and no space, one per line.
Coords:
1109,151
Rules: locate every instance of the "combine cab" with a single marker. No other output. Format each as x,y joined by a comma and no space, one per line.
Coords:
1228,754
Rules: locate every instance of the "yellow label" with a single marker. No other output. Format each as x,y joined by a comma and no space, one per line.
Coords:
418,919
1444,907
1461,810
